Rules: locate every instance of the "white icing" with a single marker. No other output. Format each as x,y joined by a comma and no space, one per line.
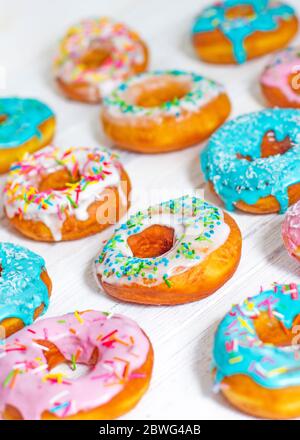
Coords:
122,102
197,233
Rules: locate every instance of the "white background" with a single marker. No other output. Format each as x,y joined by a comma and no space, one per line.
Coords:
182,335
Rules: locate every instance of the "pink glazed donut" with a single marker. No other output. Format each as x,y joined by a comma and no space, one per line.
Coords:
291,231
280,81
118,353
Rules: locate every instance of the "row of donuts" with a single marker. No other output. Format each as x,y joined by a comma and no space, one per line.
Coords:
250,343
27,353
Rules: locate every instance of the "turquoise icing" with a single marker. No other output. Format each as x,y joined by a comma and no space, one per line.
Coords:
238,349
236,179
21,288
265,18
23,118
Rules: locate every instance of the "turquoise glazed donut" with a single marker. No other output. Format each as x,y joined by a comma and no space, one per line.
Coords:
244,361
265,16
232,160
22,290
25,126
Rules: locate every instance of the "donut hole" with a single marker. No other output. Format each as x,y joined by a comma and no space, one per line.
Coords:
58,181
157,91
98,54
272,331
69,369
241,11
3,118
270,147
152,242
66,370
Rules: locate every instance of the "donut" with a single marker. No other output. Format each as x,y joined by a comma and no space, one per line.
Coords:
175,252
256,354
162,111
57,195
26,125
234,31
253,161
118,353
95,56
25,288
280,81
291,231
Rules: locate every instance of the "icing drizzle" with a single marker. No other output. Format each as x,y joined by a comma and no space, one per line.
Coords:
28,385
21,288
199,229
238,179
266,17
202,90
23,119
238,349
97,170
125,52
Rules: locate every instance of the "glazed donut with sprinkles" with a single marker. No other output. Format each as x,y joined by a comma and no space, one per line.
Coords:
256,360
162,111
57,195
25,288
26,125
175,252
280,81
95,56
253,161
234,31
118,353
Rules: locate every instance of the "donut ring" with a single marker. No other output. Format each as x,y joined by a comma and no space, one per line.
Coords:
280,80
57,195
95,56
234,31
163,111
291,231
118,352
256,366
26,125
25,288
175,252
253,162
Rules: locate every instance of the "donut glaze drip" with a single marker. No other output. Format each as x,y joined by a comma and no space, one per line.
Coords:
122,348
199,229
238,179
20,120
238,349
266,17
21,288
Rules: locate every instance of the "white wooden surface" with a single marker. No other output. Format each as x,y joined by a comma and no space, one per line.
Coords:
182,336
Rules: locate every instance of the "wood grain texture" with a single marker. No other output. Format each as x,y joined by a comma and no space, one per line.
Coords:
182,335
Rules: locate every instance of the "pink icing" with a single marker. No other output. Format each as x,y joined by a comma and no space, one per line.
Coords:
122,347
277,72
291,230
